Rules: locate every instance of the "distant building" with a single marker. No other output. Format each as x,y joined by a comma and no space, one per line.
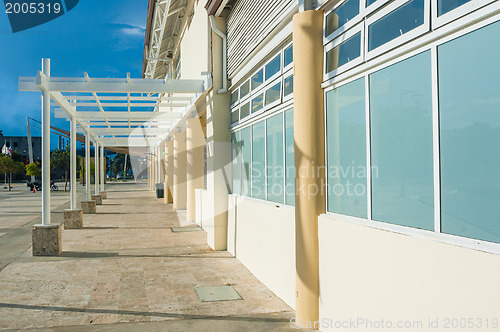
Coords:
19,145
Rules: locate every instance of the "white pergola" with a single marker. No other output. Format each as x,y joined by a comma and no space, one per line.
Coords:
112,112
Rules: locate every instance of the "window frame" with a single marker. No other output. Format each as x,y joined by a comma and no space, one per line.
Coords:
338,41
279,72
234,110
290,65
280,76
374,6
263,117
272,84
355,20
242,99
487,15
402,39
463,10
285,77
237,99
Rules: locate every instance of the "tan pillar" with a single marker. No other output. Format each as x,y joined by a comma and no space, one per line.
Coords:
149,169
309,158
195,142
219,151
180,171
169,171
152,169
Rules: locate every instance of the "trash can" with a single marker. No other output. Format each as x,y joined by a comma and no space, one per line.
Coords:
160,190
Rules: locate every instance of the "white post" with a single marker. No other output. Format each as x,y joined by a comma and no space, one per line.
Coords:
46,147
103,168
158,165
96,167
87,167
73,164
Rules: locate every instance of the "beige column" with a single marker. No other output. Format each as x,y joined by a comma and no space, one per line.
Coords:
219,151
309,139
148,163
180,171
152,171
195,142
169,171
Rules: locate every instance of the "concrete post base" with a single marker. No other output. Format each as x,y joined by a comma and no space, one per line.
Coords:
103,194
73,219
88,207
46,240
97,199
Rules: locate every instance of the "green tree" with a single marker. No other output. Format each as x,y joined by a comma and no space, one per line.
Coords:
59,160
118,162
33,170
8,165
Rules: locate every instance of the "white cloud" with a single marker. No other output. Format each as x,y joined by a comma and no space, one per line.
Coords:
134,31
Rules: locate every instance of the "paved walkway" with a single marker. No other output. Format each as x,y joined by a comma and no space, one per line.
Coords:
127,270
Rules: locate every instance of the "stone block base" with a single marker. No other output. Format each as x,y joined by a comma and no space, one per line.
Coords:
47,240
97,199
104,195
88,207
73,219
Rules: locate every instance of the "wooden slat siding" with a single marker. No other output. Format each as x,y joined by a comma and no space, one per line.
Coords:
247,24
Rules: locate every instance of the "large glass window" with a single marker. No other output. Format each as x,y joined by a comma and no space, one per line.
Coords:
343,53
400,21
401,143
246,159
273,94
236,161
289,159
445,6
346,149
245,110
257,103
235,116
288,54
273,67
244,89
288,86
257,79
259,160
469,107
275,163
340,16
234,97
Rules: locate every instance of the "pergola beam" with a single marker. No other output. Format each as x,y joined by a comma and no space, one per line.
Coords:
99,105
112,115
110,85
127,131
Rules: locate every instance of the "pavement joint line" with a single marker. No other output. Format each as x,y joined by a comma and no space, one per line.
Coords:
141,313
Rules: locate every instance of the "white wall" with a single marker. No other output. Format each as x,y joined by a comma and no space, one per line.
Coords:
262,236
376,274
206,219
194,45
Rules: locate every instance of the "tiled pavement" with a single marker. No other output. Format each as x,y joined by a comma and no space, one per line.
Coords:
126,270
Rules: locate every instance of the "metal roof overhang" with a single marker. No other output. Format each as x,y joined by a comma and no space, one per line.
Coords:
117,112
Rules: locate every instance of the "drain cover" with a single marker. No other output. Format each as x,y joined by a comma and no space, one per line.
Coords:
218,293
185,229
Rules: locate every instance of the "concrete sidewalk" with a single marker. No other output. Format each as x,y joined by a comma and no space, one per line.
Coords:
127,270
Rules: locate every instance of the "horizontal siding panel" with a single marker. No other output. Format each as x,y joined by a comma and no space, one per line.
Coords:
247,25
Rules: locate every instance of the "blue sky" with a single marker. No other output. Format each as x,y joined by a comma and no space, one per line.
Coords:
103,38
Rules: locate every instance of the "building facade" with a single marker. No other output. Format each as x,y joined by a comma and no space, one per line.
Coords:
19,145
346,153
